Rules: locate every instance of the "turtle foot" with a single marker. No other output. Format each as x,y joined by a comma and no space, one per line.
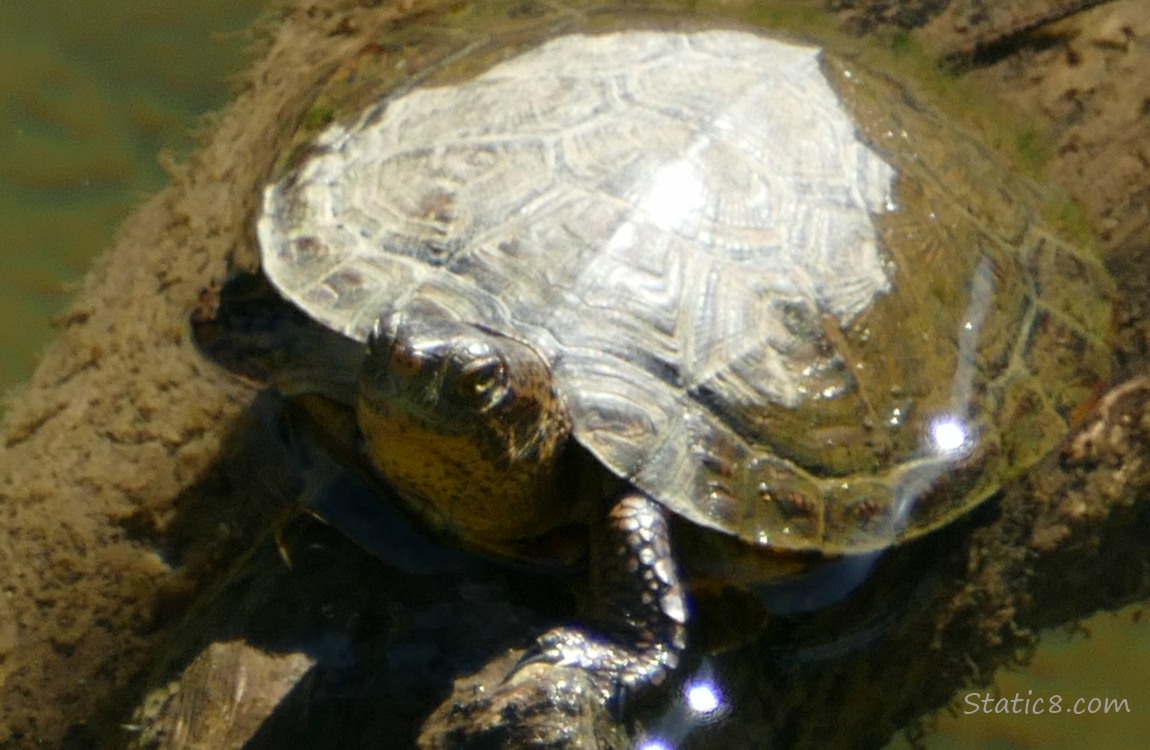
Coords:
644,622
614,667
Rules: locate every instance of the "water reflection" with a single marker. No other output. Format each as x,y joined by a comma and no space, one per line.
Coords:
700,702
703,697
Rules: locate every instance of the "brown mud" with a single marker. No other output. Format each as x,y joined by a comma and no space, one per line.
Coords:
133,475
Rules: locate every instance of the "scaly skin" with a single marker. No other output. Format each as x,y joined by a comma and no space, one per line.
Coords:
645,610
465,425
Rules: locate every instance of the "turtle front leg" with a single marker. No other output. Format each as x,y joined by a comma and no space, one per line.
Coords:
644,623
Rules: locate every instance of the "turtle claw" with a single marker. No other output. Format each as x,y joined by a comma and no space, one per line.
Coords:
616,671
560,647
569,647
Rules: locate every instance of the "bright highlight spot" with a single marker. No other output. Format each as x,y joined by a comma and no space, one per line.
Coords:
702,697
675,196
653,745
949,434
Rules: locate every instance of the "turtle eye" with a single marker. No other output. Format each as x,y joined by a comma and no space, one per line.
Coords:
482,381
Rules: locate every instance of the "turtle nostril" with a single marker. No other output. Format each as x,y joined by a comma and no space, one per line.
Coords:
405,362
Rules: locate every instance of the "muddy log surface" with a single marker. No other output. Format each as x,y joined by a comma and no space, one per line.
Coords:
136,494
122,425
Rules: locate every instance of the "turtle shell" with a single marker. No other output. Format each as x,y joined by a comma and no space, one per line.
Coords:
776,291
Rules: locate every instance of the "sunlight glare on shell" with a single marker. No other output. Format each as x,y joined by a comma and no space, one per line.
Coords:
949,434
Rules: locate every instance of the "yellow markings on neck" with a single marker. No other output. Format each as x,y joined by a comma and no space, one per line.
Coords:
457,484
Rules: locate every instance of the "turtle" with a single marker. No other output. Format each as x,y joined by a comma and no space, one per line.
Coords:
766,293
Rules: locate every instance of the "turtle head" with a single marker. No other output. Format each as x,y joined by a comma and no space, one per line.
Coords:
465,423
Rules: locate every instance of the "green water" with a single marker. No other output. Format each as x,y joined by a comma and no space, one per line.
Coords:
1075,671
90,93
